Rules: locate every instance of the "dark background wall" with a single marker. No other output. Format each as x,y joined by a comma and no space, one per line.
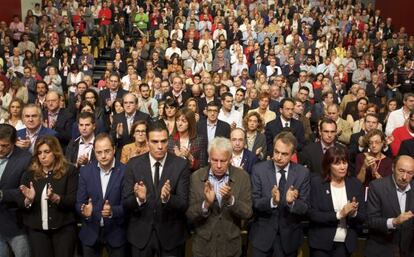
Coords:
401,12
9,8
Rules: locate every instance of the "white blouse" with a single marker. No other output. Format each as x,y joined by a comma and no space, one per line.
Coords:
339,200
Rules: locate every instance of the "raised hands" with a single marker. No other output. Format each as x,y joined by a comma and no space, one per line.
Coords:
140,191
275,195
52,197
403,217
225,192
28,192
209,194
86,209
291,195
166,191
106,210
350,208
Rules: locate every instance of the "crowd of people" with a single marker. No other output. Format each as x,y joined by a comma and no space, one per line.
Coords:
210,119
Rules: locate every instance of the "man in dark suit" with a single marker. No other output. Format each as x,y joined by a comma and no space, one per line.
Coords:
318,110
390,212
280,193
156,197
258,66
32,119
108,95
220,198
407,148
284,122
99,202
58,119
209,96
13,162
312,154
80,150
177,92
241,156
122,122
213,127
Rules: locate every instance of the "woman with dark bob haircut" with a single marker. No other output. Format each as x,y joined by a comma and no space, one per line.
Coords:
48,200
337,207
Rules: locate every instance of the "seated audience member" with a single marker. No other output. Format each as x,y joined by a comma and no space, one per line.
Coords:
397,118
344,130
241,157
390,212
255,138
140,144
402,133
263,108
337,208
220,199
168,117
14,114
228,113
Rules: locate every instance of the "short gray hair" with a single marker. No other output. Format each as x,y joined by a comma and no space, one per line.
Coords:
222,144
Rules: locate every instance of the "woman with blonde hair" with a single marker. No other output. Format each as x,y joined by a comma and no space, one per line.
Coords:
48,200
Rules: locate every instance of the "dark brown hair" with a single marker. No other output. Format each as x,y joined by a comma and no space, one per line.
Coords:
333,155
190,117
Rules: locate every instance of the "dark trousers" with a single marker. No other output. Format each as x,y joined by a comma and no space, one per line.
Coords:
275,251
59,242
338,250
97,249
153,248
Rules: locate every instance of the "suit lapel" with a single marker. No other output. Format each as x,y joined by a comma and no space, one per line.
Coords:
326,187
112,179
409,203
147,174
392,195
97,177
271,174
291,177
8,170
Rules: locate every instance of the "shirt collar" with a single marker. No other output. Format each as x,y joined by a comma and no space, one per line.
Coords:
109,171
286,168
130,116
82,141
211,174
153,160
408,188
35,133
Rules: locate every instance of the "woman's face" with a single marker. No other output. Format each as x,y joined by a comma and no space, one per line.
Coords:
90,97
139,133
182,124
362,105
371,110
170,111
392,106
192,106
339,169
252,123
253,94
118,107
375,144
15,108
45,156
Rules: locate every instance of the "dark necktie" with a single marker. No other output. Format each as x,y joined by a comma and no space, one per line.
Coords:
286,124
282,181
157,174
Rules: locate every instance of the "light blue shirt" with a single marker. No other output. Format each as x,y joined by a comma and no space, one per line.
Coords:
402,199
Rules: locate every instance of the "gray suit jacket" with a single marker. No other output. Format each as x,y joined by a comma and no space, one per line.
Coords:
260,141
217,232
383,204
284,219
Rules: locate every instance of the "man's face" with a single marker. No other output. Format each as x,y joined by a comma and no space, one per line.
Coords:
104,152
237,140
6,146
404,171
220,161
177,85
264,103
227,103
328,133
298,107
113,83
371,123
332,113
130,104
409,103
86,127
302,95
52,102
287,110
303,77
212,113
282,153
239,97
31,118
41,89
145,92
158,144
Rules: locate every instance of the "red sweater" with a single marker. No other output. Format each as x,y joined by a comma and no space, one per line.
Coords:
400,134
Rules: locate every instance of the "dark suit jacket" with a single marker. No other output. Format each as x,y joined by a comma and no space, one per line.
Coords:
202,105
311,157
121,118
63,125
317,112
273,105
407,148
275,126
383,204
217,233
90,187
18,162
71,152
248,161
105,94
322,216
253,69
222,129
260,141
284,220
60,214
21,133
167,219
184,96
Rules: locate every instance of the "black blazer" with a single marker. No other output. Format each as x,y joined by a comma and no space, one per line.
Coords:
322,216
105,94
63,125
202,105
71,152
253,69
60,214
18,162
184,96
311,157
407,148
383,204
167,219
275,126
126,137
222,129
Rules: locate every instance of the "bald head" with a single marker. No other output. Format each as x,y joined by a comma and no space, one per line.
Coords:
403,171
